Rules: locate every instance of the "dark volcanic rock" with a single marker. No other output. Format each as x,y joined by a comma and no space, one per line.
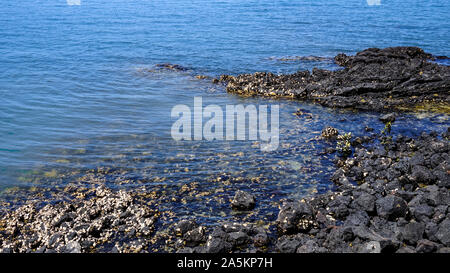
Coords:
443,232
388,118
412,232
366,202
184,226
295,217
81,225
238,238
217,242
399,205
375,79
358,218
288,245
421,174
169,66
422,212
243,201
311,247
261,240
426,246
391,207
217,245
195,237
329,132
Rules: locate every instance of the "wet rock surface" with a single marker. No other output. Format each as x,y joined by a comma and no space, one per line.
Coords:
391,193
388,209
385,208
228,237
329,132
389,197
169,66
373,79
243,201
107,221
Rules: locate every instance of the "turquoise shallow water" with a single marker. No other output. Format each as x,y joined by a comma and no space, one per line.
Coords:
76,94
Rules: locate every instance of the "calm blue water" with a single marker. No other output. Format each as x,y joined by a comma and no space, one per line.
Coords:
76,94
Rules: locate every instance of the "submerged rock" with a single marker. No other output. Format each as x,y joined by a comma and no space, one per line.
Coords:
169,66
400,204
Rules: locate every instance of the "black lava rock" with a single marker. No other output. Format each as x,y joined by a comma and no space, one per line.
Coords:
391,207
365,202
399,76
412,232
295,217
243,201
443,232
388,118
184,226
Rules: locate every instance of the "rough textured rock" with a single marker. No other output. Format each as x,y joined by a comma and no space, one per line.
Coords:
230,237
391,207
243,201
386,212
443,232
184,226
375,79
329,132
295,217
388,118
80,226
396,199
169,66
287,245
412,232
366,202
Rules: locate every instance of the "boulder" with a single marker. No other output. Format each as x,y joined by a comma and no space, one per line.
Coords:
388,118
295,217
391,207
243,201
365,202
443,232
412,232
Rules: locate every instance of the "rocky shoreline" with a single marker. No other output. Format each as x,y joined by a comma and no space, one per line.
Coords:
392,192
390,199
392,196
96,217
373,79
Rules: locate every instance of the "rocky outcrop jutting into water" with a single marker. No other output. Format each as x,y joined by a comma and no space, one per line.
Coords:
373,79
392,195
